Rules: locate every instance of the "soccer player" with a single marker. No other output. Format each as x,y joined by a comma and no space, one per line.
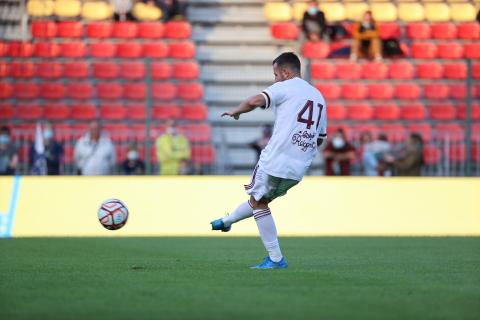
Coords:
300,127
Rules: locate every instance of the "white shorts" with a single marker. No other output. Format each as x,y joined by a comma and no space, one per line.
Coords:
266,186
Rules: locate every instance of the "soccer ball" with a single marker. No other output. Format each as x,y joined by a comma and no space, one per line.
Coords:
113,214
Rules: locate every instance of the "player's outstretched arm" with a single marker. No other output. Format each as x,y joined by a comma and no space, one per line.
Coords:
246,106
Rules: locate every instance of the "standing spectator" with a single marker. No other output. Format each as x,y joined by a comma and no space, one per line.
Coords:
53,151
94,152
173,151
372,154
313,23
259,144
366,39
8,153
338,154
133,165
409,160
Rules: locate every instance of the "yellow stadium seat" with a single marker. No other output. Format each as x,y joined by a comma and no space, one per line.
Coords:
462,12
437,12
68,8
299,9
144,12
97,10
384,12
354,11
334,11
410,12
277,11
40,8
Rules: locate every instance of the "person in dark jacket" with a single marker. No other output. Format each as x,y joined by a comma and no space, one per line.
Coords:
314,24
409,161
53,151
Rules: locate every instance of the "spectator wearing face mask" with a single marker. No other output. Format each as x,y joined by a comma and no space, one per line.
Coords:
133,165
53,151
173,151
366,39
313,23
338,154
8,153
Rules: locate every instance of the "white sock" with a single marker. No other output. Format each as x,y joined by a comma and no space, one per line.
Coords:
268,233
244,210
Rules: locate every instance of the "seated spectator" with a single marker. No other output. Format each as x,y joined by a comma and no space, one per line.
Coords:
372,154
133,165
313,23
8,153
366,39
338,154
409,161
173,151
53,151
122,10
260,143
171,9
94,152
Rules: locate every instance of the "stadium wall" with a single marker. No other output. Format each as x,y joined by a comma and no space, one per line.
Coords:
179,206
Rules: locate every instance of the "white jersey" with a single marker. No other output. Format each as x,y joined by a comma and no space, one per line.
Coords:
300,118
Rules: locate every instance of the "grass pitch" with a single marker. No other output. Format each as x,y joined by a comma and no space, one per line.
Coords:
208,278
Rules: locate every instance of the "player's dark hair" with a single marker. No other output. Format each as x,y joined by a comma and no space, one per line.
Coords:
288,59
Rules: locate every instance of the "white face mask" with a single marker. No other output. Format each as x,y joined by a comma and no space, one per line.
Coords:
48,134
312,11
338,142
132,155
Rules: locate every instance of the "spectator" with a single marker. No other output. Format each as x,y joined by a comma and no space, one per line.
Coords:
260,143
94,152
8,153
372,154
338,154
122,10
173,151
171,9
53,151
409,161
133,165
366,39
313,24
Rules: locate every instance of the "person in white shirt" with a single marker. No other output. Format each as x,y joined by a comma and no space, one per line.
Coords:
300,127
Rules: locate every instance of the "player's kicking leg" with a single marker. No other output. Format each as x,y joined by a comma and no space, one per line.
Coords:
244,210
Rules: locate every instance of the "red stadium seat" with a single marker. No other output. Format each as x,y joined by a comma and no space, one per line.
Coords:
429,70
6,90
476,70
151,30
106,70
407,91
458,90
129,50
125,30
137,112
380,90
99,30
23,69
329,90
355,130
112,111
450,50
423,129
75,69
389,30
20,49
374,70
163,91
135,90
476,132
70,29
3,49
43,29
49,70
431,154
442,112
80,90
190,91
413,111
52,90
449,131
322,70
47,49
386,112
56,112
76,49
423,50
7,111
186,70
472,50
203,154
468,31
436,91
348,70
178,30
394,132
26,90
132,70
103,50
194,112
160,71
418,30
401,70
359,112
109,90
155,50
4,69
455,70
182,50
29,112
354,91
336,112
83,112
165,111
284,30
118,132
446,30
475,111
458,152
197,132
315,50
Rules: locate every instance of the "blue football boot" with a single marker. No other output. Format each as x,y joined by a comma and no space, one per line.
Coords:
219,225
267,263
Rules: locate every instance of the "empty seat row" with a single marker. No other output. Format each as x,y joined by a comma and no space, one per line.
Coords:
105,30
395,70
384,11
102,70
78,49
190,91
